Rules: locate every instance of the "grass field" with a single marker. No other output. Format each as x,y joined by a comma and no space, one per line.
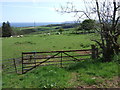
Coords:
85,74
12,47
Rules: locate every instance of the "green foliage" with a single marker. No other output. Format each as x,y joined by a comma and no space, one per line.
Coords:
60,30
6,29
116,58
88,24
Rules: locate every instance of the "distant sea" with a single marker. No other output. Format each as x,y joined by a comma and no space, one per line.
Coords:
31,24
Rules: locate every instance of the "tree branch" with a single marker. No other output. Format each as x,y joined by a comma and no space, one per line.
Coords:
100,44
114,14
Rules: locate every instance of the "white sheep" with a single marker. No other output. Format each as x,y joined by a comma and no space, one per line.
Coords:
48,33
21,35
59,33
18,36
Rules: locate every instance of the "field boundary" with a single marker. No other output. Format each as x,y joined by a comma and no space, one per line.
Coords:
31,60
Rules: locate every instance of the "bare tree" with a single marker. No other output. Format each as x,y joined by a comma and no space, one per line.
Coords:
106,12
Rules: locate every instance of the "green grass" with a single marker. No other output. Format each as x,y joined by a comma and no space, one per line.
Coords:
95,72
12,47
86,73
43,77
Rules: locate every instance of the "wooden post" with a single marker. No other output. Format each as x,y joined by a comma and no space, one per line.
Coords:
22,63
93,52
15,65
34,60
61,59
96,52
30,58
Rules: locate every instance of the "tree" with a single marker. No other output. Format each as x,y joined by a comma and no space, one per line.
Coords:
88,24
6,29
60,30
109,30
106,13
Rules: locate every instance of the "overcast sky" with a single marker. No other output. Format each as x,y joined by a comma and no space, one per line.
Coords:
34,10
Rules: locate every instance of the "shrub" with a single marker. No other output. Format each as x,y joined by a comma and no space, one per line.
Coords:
116,58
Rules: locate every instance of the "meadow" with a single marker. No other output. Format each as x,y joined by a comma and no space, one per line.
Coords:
84,74
13,47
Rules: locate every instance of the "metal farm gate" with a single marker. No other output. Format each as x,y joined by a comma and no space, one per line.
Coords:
31,60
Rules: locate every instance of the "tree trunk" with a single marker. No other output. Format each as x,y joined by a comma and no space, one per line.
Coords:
109,50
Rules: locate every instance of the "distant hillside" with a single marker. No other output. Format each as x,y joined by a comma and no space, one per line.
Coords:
44,28
68,22
64,25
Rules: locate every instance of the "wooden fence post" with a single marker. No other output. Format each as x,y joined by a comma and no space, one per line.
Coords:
22,63
61,59
15,65
34,59
93,51
96,52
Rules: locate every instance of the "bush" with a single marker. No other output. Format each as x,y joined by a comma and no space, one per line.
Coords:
116,58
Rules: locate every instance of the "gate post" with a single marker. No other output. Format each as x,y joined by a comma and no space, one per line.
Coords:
61,59
93,52
22,63
15,65
97,55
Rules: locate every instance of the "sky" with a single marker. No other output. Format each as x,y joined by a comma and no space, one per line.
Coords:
38,10
34,10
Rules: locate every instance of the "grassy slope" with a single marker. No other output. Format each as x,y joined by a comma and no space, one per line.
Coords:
12,47
82,74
